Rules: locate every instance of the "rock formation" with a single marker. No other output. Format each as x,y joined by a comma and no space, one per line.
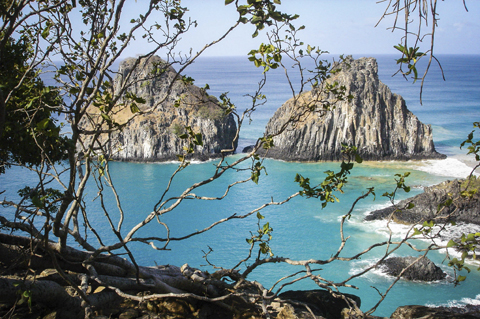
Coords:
426,205
410,312
424,269
376,121
320,302
153,135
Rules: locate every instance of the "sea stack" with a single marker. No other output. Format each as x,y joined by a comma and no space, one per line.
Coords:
153,134
376,121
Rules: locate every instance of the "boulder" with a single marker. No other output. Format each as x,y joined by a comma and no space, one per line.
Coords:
321,302
423,270
376,121
248,149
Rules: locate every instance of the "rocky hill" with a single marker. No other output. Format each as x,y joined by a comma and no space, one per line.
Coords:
376,121
153,134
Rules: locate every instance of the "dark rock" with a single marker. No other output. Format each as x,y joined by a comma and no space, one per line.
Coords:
129,314
321,302
424,269
376,121
427,203
248,149
412,312
153,134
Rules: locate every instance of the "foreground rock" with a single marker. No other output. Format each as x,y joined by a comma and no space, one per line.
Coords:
29,284
423,270
427,204
154,135
289,305
412,312
376,121
321,302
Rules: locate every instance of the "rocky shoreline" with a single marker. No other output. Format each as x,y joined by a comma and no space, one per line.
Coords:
426,205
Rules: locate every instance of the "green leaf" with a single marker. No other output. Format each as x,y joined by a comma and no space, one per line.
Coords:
410,205
471,237
106,117
74,91
429,223
264,248
242,9
134,108
198,139
255,176
451,243
277,16
260,216
46,32
227,2
358,158
37,202
266,228
43,124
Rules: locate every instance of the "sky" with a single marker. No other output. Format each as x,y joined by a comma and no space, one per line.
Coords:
336,26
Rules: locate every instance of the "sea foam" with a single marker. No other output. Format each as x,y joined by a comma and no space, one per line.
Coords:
449,167
459,303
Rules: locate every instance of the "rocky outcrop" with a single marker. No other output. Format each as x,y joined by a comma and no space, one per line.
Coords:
423,312
376,121
423,270
153,135
426,205
320,302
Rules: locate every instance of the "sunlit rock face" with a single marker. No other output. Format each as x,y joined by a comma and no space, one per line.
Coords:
153,134
376,121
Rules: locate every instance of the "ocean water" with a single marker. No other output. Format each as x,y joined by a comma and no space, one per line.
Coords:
301,228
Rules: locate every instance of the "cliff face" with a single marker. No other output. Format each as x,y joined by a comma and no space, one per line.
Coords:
376,121
153,135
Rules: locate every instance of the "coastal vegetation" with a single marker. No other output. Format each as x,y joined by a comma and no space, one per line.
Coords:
40,227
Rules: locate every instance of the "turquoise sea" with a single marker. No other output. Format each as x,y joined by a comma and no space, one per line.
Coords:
301,228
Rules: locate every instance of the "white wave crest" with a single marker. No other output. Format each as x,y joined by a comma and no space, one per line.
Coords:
459,303
449,167
374,274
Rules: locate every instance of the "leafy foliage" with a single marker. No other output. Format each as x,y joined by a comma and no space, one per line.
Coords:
334,182
262,13
262,238
30,132
410,56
